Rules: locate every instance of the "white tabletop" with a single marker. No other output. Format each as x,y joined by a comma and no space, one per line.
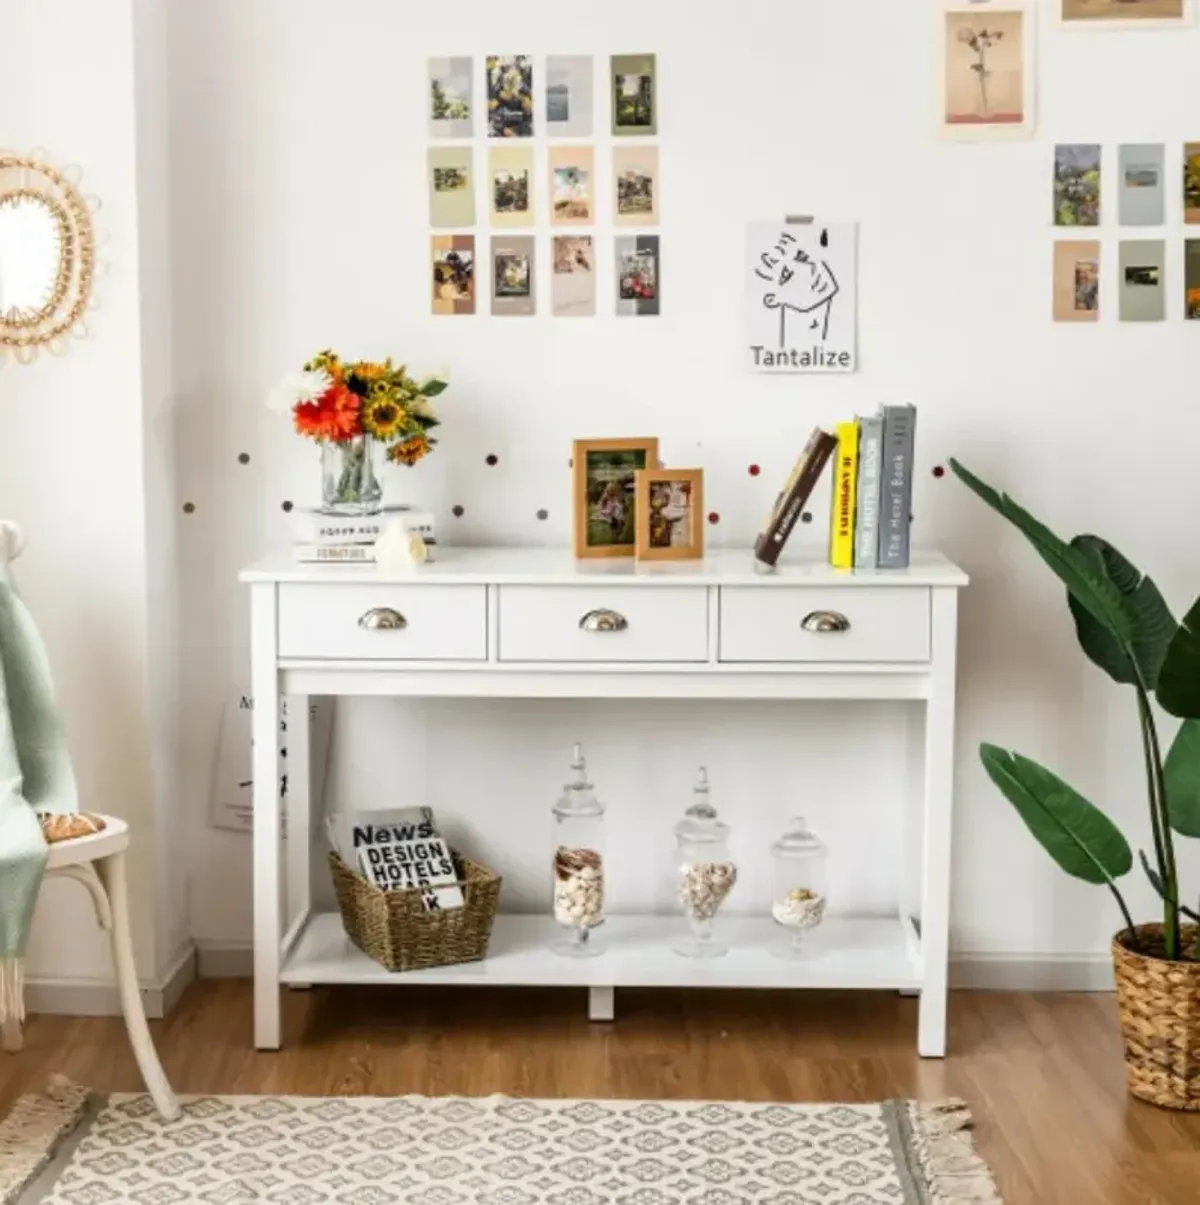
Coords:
556,566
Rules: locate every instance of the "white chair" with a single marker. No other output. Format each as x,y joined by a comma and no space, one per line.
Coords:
98,862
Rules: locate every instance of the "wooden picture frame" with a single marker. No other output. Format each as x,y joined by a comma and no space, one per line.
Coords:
661,535
610,465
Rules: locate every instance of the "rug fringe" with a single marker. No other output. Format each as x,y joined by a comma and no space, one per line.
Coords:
30,1134
942,1132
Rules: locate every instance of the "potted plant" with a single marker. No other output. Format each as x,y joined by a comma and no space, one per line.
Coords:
356,411
1126,628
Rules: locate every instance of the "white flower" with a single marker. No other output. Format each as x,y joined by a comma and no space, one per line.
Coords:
296,388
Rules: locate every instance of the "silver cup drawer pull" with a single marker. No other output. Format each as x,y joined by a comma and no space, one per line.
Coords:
379,619
604,620
825,621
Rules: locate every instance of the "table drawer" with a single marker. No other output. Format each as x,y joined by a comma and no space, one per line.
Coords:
768,624
384,622
603,623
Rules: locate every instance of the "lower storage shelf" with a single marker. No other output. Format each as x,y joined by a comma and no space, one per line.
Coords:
846,952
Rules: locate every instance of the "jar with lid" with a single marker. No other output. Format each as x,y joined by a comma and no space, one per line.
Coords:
578,863
705,872
798,903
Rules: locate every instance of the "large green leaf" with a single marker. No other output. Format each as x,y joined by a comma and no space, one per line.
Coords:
1154,625
1181,777
1074,832
1076,569
1179,678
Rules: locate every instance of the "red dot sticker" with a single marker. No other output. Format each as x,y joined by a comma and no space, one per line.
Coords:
939,470
493,459
754,470
713,517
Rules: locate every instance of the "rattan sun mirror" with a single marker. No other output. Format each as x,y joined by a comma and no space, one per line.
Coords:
47,258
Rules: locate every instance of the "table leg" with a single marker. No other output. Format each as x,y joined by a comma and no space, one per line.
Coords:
268,914
297,769
936,839
601,1003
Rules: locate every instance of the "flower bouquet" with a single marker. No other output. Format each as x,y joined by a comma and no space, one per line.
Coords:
358,412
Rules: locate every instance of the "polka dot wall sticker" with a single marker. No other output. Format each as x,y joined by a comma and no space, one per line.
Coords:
493,459
189,508
243,458
543,514
939,470
806,517
754,470
287,507
714,517
457,511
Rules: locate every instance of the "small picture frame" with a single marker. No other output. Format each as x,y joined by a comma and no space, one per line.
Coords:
670,514
604,494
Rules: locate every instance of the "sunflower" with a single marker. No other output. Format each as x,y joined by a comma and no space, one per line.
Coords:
383,418
410,451
334,416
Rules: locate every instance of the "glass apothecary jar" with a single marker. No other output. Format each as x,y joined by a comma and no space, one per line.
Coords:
801,863
705,871
578,863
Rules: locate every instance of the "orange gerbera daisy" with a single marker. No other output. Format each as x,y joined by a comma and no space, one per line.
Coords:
334,416
410,451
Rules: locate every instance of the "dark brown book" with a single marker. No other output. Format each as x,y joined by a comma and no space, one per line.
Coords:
790,504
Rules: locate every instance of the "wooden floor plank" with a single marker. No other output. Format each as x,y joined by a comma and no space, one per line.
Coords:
1042,1073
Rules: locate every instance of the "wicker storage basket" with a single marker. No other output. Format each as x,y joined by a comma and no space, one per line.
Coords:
1159,1004
393,927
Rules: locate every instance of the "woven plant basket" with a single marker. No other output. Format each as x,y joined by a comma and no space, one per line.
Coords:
1159,1004
393,927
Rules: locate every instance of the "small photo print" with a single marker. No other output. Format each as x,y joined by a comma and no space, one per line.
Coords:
572,194
1191,273
1141,177
638,275
671,514
1141,280
1142,200
635,170
1142,276
450,114
1191,183
510,96
984,73
1077,185
453,274
611,478
449,179
569,96
510,191
573,253
513,276
634,95
1087,286
1124,10
574,280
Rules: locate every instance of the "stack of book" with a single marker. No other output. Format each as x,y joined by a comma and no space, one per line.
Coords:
350,539
869,519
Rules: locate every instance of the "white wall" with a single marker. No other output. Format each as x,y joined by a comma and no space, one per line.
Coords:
300,221
73,453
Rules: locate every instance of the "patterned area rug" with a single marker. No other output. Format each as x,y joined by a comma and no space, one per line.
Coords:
71,1147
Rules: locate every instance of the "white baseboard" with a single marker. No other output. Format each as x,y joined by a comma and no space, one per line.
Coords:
971,972
98,997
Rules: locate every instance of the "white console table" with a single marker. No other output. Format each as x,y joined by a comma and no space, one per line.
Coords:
520,623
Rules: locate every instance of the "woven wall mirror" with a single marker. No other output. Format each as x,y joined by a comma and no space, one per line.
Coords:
47,258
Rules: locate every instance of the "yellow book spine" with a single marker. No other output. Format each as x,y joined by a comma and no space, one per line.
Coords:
845,491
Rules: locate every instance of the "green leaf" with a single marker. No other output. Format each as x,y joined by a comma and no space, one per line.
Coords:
1179,678
1074,832
1154,625
1181,778
1076,569
433,387
1157,883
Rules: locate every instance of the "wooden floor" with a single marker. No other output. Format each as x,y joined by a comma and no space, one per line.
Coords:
1042,1073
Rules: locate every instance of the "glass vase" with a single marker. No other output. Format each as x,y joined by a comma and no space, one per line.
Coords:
350,477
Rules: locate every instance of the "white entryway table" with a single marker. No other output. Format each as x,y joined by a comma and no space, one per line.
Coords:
535,623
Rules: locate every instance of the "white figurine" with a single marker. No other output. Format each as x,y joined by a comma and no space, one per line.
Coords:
399,549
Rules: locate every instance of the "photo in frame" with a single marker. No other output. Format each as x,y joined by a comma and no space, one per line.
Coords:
572,185
1124,14
633,87
451,186
513,275
573,283
986,71
510,186
451,104
604,494
635,188
669,516
1077,280
638,275
569,99
453,273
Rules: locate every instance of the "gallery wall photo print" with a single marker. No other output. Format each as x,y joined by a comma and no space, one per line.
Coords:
1125,14
986,71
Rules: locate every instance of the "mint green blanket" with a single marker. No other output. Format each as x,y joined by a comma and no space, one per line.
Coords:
35,776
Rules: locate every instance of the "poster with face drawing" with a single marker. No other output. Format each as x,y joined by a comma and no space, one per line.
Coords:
801,303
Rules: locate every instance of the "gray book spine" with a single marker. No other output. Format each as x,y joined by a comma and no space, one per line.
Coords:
870,461
899,432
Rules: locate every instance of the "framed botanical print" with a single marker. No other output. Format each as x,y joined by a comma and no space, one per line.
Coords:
669,518
605,494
